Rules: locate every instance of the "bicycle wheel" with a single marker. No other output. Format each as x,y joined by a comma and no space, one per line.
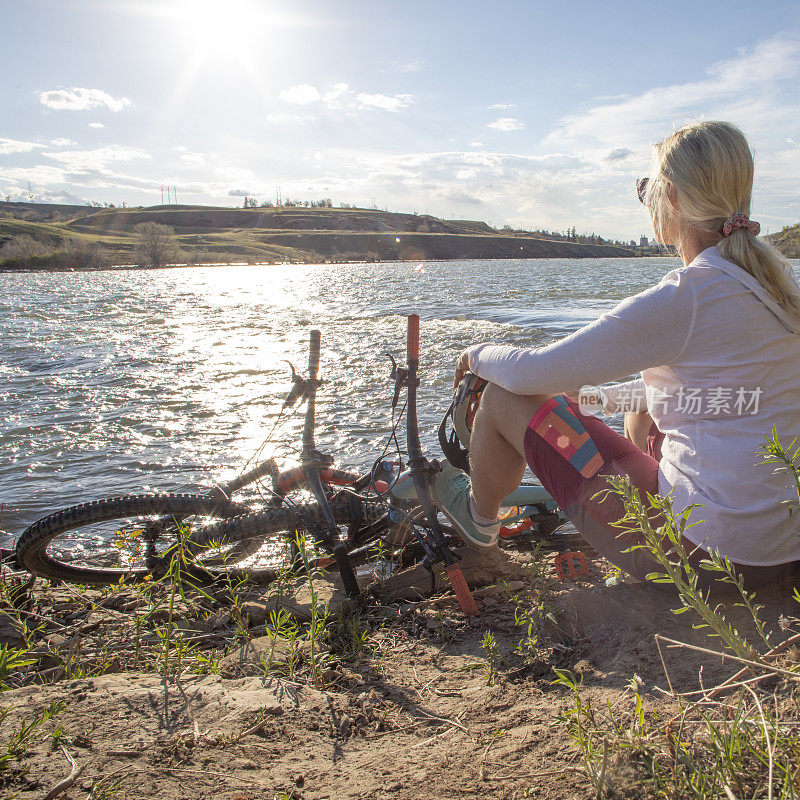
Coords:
101,542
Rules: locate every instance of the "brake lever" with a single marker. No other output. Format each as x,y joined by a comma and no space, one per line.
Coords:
400,377
301,387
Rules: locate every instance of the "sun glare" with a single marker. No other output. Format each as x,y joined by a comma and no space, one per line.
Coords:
222,28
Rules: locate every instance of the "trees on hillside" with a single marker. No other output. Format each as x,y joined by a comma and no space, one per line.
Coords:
155,245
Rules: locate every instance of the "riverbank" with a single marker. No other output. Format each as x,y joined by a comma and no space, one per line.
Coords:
397,699
74,236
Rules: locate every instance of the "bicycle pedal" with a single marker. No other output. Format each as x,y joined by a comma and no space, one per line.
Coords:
571,565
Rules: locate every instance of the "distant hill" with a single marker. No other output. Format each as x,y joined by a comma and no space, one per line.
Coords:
294,234
787,240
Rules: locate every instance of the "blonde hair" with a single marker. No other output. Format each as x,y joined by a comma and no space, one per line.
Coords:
706,170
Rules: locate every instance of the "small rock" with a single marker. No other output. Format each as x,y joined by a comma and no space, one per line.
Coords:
214,622
515,586
433,624
55,640
10,630
244,763
258,611
329,676
489,602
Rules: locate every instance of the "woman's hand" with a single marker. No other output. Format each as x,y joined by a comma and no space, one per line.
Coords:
462,367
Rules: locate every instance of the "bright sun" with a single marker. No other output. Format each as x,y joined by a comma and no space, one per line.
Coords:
221,27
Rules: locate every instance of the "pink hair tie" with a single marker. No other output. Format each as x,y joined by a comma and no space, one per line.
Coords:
738,220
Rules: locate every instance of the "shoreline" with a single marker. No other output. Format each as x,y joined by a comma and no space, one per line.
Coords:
138,268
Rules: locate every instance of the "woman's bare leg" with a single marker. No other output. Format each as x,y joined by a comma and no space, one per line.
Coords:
637,428
496,449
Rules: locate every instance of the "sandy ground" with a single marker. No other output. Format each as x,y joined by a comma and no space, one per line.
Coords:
417,714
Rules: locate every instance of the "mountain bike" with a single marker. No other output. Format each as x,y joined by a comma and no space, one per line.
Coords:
348,517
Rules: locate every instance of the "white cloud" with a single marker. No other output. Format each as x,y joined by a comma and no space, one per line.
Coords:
738,88
476,143
62,142
9,146
96,125
340,96
300,95
98,159
506,124
194,159
503,107
78,99
384,101
339,91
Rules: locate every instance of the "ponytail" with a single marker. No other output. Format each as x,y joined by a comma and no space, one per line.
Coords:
766,264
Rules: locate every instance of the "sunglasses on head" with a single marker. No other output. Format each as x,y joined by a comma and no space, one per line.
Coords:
641,188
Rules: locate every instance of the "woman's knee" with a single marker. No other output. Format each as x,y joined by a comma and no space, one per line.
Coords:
506,412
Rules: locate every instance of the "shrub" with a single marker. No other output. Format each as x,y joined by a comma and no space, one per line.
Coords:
155,245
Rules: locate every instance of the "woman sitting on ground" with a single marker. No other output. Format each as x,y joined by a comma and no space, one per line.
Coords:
717,343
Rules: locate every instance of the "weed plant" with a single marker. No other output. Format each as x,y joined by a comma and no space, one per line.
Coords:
27,735
317,660
493,658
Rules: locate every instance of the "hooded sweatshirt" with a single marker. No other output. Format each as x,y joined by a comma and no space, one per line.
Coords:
720,368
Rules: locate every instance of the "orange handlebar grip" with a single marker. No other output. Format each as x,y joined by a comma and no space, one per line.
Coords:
413,336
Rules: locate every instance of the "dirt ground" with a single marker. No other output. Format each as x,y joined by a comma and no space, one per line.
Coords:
422,711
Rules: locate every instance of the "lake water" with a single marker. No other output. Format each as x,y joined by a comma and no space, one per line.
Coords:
119,382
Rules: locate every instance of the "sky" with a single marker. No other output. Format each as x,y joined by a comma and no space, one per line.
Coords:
517,112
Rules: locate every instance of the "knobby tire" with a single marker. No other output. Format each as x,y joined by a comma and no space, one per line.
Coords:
237,524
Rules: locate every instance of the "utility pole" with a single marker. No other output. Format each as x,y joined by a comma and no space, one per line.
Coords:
162,195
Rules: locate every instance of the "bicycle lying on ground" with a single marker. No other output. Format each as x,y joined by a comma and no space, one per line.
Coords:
350,517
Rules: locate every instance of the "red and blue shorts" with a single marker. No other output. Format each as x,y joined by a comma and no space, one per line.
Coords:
573,454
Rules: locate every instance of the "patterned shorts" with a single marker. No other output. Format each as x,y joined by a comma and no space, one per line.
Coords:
572,454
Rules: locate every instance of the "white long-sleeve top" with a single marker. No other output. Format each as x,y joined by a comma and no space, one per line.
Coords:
720,363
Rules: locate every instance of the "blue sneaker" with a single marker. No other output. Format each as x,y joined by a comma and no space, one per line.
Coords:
451,491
